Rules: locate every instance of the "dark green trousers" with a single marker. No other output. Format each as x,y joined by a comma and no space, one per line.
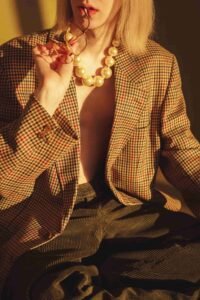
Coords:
112,251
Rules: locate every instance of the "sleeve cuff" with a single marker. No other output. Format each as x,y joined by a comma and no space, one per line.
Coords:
38,132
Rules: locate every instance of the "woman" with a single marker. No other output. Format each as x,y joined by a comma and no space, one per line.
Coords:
81,142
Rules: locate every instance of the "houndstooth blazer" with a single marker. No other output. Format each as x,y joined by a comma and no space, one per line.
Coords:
39,154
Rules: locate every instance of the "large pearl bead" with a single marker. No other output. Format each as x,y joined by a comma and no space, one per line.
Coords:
112,51
80,72
98,81
68,36
109,61
88,81
106,72
77,61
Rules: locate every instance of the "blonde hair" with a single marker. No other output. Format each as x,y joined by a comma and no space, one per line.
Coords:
135,23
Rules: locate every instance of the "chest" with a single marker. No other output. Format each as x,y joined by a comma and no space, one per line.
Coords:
96,105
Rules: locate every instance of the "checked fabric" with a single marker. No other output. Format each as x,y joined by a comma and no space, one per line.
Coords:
39,154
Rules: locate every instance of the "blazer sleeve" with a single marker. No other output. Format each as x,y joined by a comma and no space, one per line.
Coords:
28,145
180,151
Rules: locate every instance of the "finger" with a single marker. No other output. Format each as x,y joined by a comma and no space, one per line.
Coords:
40,49
40,59
36,51
64,69
41,54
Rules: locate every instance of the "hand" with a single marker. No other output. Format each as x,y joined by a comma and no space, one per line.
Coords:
54,70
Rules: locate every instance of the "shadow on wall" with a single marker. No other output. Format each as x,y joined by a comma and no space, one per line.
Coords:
29,15
178,29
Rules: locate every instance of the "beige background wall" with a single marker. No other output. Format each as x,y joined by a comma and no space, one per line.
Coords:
24,16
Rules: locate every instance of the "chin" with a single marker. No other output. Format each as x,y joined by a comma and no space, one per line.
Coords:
94,23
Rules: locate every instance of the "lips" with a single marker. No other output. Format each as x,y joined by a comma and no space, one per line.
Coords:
90,9
88,6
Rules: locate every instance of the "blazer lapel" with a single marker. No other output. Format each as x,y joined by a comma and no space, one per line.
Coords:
131,97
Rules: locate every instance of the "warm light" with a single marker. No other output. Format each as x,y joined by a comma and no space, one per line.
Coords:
37,15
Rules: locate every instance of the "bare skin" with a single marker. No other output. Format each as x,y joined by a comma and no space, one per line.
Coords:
96,108
96,105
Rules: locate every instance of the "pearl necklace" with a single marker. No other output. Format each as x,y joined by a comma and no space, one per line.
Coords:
105,71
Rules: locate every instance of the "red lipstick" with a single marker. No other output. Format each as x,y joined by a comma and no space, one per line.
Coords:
91,10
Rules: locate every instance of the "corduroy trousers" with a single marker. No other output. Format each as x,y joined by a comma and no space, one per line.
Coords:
112,251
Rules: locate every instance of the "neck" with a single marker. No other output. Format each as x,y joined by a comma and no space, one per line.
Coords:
98,40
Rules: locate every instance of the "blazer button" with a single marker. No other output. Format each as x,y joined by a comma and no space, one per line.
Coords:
44,134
